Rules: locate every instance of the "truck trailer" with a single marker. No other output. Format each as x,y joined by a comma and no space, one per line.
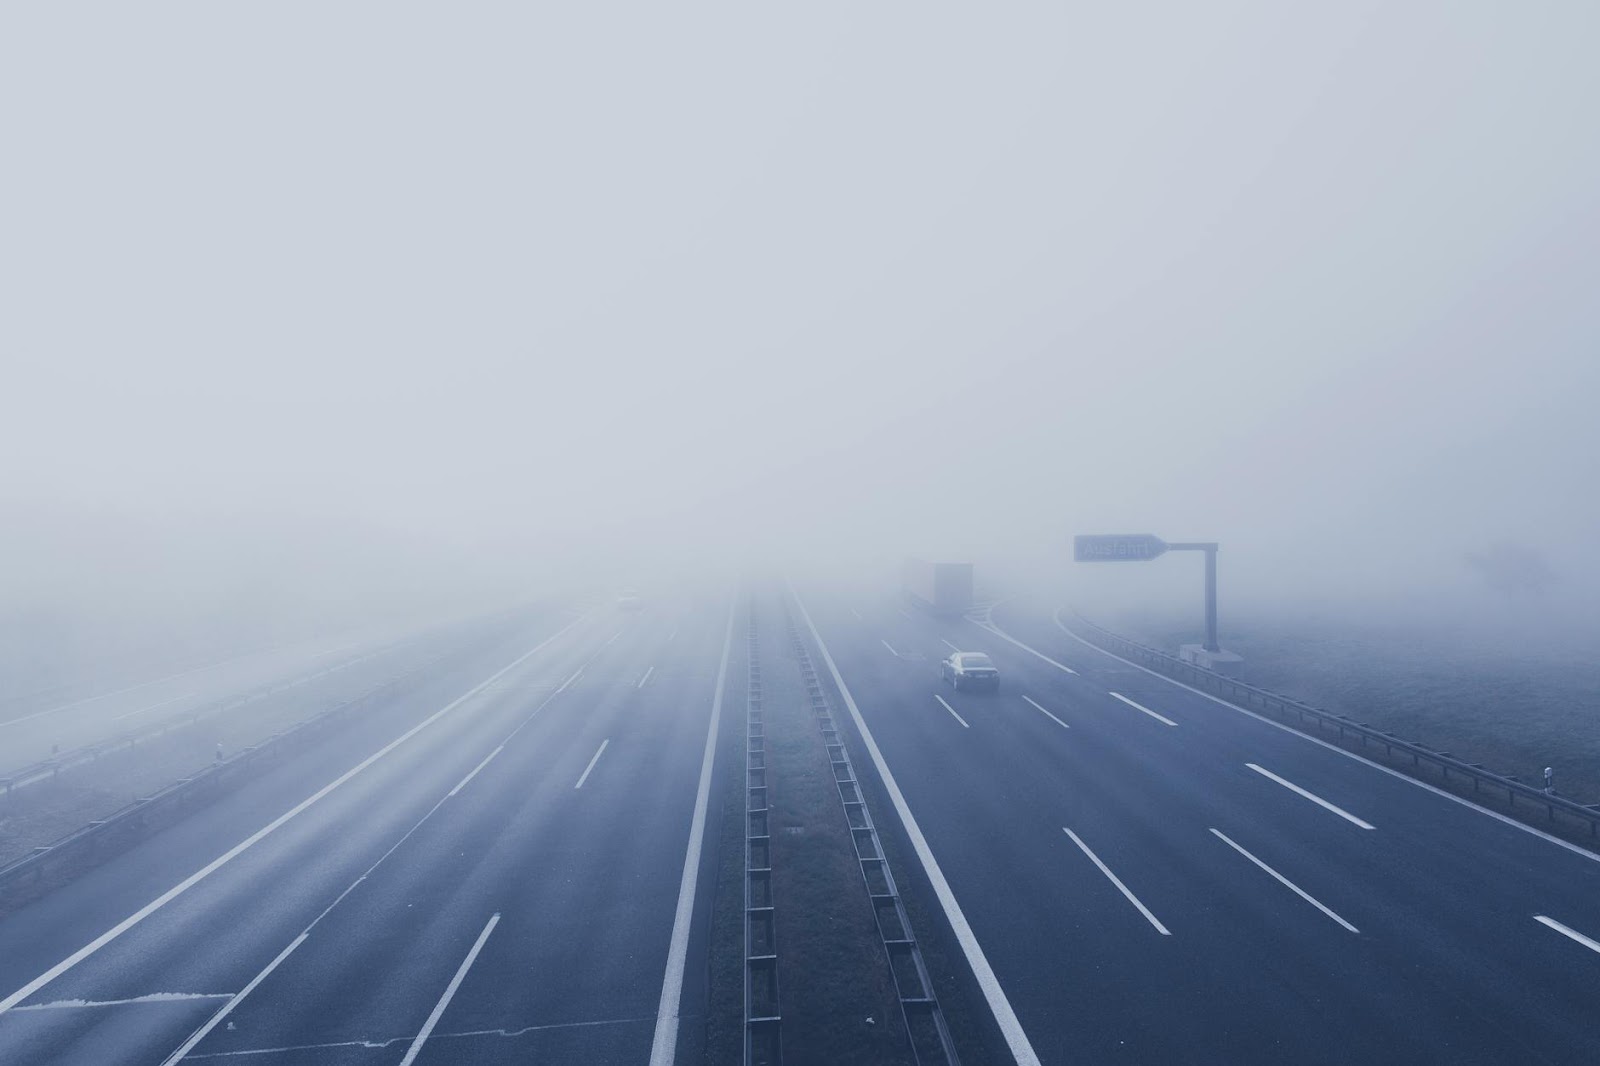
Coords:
944,588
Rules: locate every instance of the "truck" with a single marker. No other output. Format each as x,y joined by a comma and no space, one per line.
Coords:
943,588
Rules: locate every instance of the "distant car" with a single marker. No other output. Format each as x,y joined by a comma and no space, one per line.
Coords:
970,670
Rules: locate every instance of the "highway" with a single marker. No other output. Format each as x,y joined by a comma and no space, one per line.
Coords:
1153,876
488,871
509,862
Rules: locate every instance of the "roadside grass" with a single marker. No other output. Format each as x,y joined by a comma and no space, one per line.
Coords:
1512,713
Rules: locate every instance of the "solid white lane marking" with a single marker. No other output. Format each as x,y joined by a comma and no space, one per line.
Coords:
153,706
664,1046
646,677
592,761
951,709
153,997
1318,800
886,644
474,772
1047,714
1003,635
1141,707
1573,934
227,1008
249,842
1290,885
449,994
1351,755
1114,879
576,674
949,645
1005,1017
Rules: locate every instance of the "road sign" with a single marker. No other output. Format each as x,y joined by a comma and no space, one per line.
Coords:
1117,547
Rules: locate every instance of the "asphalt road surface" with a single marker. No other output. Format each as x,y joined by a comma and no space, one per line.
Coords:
489,871
1154,877
500,867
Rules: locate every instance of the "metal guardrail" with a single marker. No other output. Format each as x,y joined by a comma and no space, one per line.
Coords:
926,1032
1252,697
763,1019
167,805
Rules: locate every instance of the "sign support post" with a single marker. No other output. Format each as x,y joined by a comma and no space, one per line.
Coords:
1142,547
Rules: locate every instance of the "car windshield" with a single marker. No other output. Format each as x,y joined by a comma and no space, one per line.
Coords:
971,659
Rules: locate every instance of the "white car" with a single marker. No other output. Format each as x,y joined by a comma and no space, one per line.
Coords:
970,670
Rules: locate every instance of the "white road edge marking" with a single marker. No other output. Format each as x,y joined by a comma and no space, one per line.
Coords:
449,994
238,849
1114,879
1284,881
1047,714
474,772
1313,797
1592,945
592,761
1141,707
1003,635
576,674
646,677
949,645
1353,756
886,644
951,709
1004,1016
664,1046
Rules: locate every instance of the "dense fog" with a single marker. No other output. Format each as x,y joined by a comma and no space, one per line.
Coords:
322,314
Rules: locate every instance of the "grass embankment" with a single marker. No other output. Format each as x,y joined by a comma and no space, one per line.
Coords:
1512,712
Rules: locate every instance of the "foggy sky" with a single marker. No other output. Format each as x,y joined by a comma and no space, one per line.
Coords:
485,295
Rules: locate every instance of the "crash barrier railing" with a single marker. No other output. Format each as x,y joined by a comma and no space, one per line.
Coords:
1303,715
104,837
763,1018
927,1033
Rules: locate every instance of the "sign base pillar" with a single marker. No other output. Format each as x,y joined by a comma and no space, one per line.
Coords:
1225,663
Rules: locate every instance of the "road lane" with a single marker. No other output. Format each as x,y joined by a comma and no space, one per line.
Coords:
1404,987
268,892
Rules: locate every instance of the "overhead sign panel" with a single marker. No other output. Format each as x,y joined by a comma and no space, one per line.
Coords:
1116,547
